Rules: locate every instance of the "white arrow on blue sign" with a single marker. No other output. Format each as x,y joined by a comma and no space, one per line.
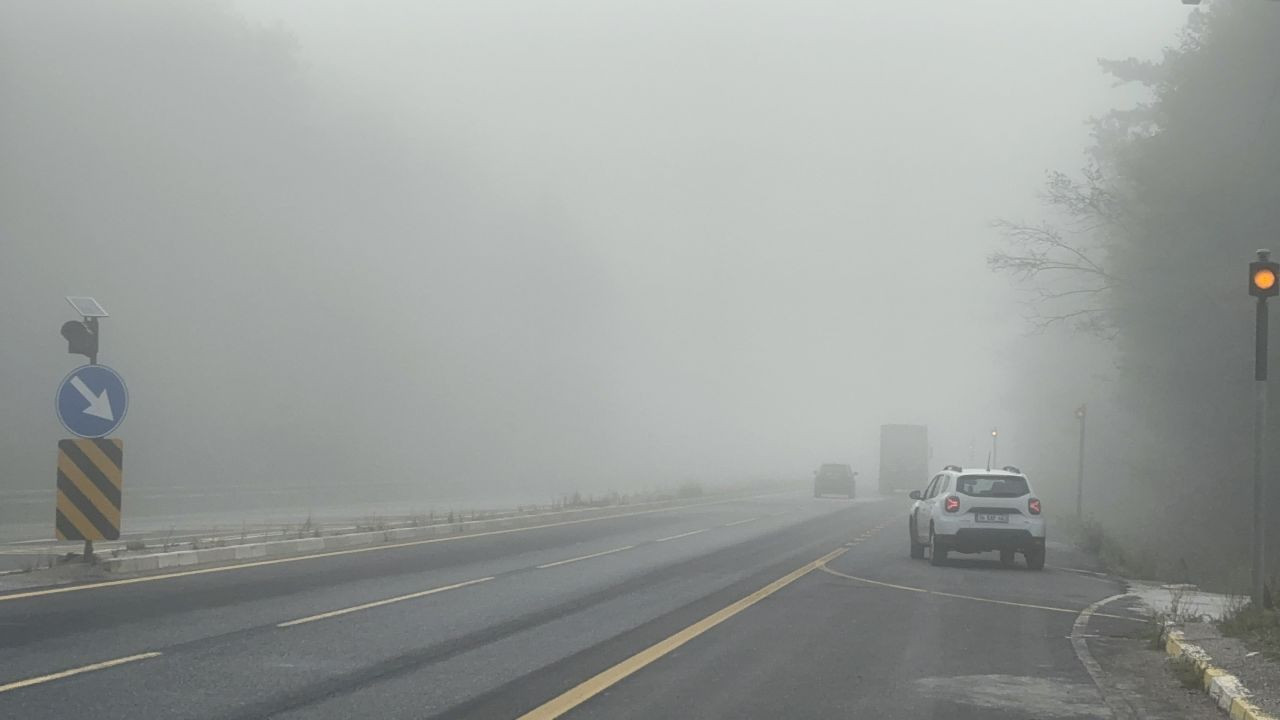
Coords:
92,401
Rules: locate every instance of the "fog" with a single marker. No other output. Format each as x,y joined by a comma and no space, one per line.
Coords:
512,250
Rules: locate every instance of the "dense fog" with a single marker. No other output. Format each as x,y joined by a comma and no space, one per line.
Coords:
505,251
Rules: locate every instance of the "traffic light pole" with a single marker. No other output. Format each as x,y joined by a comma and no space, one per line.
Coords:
1264,282
82,339
92,324
1259,455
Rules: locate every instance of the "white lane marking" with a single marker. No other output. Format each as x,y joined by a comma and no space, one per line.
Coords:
1092,573
352,551
77,671
1078,643
380,603
974,598
740,522
681,535
585,557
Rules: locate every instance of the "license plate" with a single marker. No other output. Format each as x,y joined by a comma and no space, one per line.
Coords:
992,518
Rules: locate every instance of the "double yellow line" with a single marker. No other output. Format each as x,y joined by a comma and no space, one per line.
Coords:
571,699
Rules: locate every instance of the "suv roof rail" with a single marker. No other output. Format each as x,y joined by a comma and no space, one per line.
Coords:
956,468
1012,469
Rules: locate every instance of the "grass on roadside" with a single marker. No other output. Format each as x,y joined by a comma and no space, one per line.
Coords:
1185,671
1153,632
1258,628
1089,535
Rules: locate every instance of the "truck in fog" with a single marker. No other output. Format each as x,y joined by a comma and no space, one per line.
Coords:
904,457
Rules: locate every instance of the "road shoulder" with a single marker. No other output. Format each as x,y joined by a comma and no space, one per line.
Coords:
1135,675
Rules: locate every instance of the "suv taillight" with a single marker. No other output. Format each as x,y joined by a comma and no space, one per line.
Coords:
1034,506
952,504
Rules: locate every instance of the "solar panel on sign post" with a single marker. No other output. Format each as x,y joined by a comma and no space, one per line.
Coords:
87,307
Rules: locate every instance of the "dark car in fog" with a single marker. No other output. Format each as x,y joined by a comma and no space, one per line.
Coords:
834,479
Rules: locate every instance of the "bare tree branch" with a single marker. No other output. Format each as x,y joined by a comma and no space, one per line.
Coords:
1062,265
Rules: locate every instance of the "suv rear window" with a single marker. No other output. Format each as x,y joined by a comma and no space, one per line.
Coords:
992,486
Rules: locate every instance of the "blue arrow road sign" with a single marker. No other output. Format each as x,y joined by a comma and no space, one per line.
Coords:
92,401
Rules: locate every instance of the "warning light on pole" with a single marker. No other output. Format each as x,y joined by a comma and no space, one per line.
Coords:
1264,279
1262,285
1262,276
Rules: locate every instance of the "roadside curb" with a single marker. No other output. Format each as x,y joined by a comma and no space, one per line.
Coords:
280,548
1225,689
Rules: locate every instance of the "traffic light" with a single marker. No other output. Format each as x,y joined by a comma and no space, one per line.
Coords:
1263,274
82,337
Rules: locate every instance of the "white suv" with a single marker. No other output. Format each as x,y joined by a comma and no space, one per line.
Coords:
971,511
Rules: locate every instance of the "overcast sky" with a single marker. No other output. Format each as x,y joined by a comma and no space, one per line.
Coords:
519,242
789,199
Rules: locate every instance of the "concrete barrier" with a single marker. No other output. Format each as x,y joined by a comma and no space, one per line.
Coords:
1225,689
281,548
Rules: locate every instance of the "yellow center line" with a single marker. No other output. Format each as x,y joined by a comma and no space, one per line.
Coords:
380,603
740,522
939,593
76,671
585,557
574,697
334,553
681,535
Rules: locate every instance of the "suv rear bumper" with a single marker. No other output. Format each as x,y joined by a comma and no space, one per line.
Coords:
974,540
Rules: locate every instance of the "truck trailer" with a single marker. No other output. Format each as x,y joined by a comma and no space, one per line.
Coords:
904,458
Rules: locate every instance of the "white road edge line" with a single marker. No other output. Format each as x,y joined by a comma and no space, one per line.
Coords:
681,535
1118,707
584,557
356,550
975,598
740,522
380,603
77,671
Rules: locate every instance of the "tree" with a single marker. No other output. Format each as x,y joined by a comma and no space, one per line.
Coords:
1062,263
1150,247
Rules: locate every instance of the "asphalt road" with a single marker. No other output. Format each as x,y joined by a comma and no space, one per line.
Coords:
779,606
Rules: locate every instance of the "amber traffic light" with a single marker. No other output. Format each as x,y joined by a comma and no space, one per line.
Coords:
1262,278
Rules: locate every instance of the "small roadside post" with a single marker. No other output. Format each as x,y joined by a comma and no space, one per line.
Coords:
90,402
1262,285
1081,413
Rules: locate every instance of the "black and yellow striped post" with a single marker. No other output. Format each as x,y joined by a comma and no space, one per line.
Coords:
90,481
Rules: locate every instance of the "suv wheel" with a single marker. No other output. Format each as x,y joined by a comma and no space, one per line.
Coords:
937,551
1035,559
917,550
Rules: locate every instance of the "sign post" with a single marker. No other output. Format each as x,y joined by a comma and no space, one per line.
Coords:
91,402
1081,413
